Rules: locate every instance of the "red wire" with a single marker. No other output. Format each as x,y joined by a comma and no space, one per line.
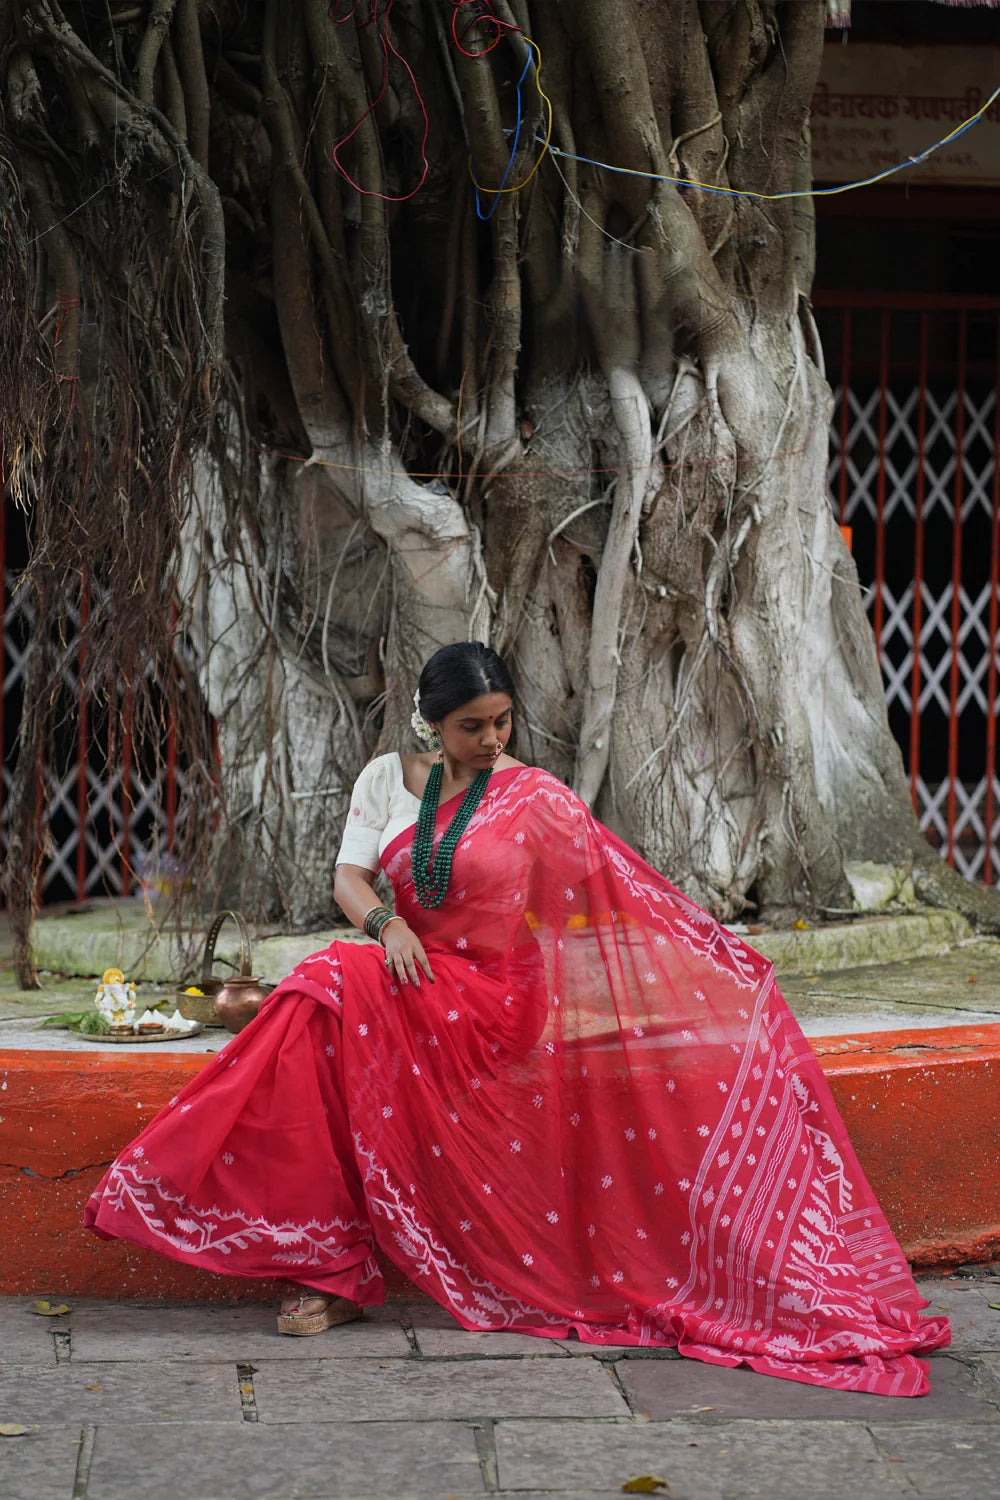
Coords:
387,45
482,12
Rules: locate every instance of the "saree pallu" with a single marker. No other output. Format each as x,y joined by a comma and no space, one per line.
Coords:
601,1119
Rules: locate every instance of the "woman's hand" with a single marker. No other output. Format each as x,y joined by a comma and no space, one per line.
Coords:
404,953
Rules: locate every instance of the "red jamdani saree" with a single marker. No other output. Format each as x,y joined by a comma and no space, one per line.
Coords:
601,1118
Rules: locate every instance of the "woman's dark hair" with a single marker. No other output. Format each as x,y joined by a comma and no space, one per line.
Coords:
456,674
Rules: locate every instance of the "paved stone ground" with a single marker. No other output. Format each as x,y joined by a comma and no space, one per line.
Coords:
132,1402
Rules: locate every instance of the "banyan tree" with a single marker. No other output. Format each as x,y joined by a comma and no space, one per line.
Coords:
334,332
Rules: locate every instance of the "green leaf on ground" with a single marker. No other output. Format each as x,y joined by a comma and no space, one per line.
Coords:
995,1306
644,1484
88,1022
13,1429
49,1309
94,1024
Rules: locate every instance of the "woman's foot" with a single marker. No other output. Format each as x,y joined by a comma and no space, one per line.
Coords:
307,1312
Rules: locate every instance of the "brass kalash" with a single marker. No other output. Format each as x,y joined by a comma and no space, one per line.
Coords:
230,1002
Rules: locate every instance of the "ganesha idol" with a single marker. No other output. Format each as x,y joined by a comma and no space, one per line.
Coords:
115,1000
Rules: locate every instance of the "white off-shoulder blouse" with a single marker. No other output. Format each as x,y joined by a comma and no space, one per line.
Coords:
381,808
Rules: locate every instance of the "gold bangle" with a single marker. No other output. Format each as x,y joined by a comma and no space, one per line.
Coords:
384,926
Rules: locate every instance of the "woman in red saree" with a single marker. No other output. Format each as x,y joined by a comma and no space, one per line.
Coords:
564,1100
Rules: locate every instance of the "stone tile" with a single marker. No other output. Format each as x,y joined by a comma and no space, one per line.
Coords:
425,1314
41,1466
439,1335
987,1371
368,1390
671,1389
975,1326
207,1461
616,1351
237,1335
118,1393
457,1343
25,1337
944,1461
700,1460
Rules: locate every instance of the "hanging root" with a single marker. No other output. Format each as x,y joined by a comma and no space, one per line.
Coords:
109,361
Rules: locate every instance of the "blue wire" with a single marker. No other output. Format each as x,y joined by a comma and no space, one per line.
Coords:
704,187
513,153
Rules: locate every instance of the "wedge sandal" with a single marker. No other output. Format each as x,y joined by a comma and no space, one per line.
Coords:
337,1310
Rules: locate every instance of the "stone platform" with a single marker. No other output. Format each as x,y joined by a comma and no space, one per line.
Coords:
920,1108
910,1046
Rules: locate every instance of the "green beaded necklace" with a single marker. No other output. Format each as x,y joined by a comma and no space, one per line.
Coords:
431,872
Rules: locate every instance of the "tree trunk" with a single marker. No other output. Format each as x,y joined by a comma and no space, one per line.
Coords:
584,418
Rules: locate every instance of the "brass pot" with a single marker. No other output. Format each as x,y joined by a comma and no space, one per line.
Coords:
231,1003
239,1000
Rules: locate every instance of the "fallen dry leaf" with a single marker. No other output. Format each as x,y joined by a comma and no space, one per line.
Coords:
703,1408
49,1310
644,1484
95,1387
13,1429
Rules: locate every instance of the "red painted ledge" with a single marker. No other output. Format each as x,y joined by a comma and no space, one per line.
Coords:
922,1108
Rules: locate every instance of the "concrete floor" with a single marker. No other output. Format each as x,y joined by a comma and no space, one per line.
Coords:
958,988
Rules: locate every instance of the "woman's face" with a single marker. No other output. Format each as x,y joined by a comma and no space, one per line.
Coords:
477,733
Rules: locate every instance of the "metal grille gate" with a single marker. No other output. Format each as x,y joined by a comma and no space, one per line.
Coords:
110,824
915,474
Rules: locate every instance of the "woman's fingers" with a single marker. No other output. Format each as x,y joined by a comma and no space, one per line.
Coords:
411,968
406,965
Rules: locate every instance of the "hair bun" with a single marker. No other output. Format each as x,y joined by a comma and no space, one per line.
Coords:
455,675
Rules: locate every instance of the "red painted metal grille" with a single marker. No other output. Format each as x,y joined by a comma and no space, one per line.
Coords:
915,472
109,808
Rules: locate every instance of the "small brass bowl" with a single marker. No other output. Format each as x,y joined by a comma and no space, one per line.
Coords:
200,1007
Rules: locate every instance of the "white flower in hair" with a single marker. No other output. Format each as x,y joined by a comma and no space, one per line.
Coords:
420,725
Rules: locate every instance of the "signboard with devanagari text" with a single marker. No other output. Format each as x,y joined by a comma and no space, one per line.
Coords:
876,105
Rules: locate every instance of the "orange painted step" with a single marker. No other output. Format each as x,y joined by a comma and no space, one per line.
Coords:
921,1108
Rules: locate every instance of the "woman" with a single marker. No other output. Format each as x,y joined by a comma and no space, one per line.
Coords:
555,1093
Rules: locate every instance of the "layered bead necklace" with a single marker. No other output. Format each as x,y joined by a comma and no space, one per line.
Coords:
431,873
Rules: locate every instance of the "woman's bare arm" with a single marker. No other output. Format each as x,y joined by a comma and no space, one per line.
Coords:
404,952
354,893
